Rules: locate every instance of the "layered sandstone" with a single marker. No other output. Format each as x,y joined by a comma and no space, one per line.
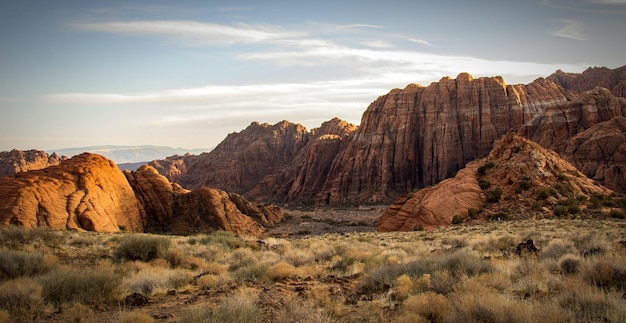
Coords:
516,167
16,161
612,79
173,209
86,192
418,136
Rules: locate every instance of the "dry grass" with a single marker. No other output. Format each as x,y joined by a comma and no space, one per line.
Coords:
466,272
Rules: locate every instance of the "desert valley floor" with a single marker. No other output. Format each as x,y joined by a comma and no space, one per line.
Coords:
322,265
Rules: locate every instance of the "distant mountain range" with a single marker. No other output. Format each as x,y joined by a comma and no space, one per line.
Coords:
129,154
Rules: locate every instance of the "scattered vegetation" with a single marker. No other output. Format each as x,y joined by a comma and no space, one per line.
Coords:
451,274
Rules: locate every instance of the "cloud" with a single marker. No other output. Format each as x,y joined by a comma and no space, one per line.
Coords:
609,7
422,42
573,30
193,32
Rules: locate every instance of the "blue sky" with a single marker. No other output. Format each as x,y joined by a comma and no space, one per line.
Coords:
187,73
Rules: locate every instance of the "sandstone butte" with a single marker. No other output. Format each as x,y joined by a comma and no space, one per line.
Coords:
409,138
512,161
89,192
16,161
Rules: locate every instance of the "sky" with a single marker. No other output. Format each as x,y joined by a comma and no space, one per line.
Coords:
187,73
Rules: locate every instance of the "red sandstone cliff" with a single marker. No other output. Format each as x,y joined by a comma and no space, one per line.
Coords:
612,79
408,138
16,161
419,136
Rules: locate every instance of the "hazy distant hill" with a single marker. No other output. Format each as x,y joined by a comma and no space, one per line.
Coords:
129,154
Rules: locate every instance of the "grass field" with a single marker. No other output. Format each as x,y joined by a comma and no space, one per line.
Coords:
460,273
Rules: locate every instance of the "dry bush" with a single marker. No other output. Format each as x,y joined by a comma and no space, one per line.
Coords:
591,304
4,316
251,272
281,270
14,237
21,297
226,240
605,272
557,248
239,307
151,280
569,264
212,281
14,264
302,312
136,317
242,257
299,257
430,305
72,285
141,247
78,313
478,304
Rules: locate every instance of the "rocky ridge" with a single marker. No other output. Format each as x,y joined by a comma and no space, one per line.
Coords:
88,192
518,179
16,161
409,138
612,79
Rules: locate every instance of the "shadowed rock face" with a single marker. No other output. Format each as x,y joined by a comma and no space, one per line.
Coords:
600,152
612,79
512,161
172,209
87,192
16,161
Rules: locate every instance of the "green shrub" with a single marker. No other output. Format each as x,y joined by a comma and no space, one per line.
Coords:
79,285
573,209
545,193
494,195
560,210
482,170
484,184
237,308
617,214
225,239
457,219
472,213
15,264
141,247
524,185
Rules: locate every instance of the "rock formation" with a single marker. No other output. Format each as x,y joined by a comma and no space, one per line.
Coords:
87,192
612,79
282,162
600,152
418,136
16,161
409,138
510,182
173,209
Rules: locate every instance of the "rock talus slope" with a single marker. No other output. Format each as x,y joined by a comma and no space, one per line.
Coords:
517,171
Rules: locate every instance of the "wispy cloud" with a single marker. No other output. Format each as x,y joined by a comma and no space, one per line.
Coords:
573,29
193,32
422,42
609,7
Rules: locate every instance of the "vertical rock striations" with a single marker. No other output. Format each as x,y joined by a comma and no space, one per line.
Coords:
419,136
